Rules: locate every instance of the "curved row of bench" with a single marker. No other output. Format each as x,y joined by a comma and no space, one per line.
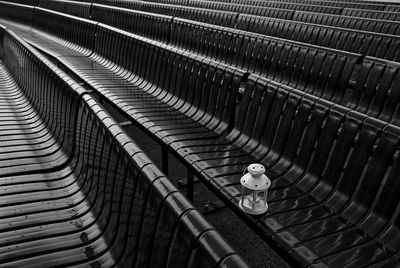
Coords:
361,42
363,24
82,9
362,83
351,18
279,9
252,8
386,46
76,190
379,6
320,155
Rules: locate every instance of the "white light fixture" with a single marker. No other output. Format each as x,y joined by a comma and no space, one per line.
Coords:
255,186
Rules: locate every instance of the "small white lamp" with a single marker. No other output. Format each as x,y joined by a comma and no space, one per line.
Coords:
255,186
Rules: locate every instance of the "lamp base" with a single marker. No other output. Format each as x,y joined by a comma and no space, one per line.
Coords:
253,212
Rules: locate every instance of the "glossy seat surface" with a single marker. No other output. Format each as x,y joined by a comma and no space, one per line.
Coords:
76,190
331,149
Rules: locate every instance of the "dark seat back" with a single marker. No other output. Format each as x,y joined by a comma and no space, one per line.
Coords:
218,17
339,4
136,5
273,12
367,43
16,13
392,8
372,89
291,6
165,9
334,75
194,80
149,25
372,14
80,9
24,2
170,2
52,97
363,24
316,150
76,32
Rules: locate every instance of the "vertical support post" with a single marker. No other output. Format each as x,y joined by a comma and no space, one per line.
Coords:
164,159
190,185
101,100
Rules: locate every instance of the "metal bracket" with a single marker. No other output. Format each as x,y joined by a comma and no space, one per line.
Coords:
211,207
125,123
182,183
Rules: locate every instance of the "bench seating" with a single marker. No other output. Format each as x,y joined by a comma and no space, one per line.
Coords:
96,200
334,174
371,14
366,43
324,208
123,81
171,2
20,15
75,8
218,17
273,12
31,140
392,8
363,42
220,168
230,10
381,11
219,43
150,25
244,6
363,24
333,75
266,5
333,7
75,35
24,2
242,145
